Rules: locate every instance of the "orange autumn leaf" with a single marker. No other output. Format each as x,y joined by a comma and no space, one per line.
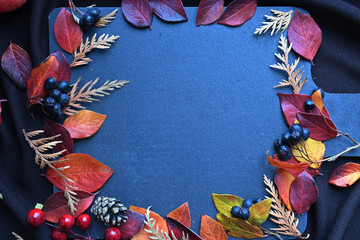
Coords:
283,180
275,162
211,229
318,101
84,124
345,175
159,221
182,214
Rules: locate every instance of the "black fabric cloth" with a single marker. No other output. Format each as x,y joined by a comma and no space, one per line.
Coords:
336,214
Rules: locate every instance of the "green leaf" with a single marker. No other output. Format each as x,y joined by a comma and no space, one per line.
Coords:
239,228
224,202
259,212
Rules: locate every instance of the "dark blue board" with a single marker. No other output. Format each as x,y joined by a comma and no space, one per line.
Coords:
199,114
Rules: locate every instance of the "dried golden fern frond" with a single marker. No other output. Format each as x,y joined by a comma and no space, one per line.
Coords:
42,147
281,20
88,94
102,22
280,215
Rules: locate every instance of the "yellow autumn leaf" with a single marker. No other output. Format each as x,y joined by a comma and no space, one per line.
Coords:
309,151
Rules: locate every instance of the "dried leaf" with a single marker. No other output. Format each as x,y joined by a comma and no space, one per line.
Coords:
209,11
224,203
304,35
321,128
87,173
281,21
182,214
132,226
64,66
238,12
16,63
259,212
67,32
178,230
309,151
318,101
137,12
345,175
169,11
52,128
84,124
102,22
303,193
283,180
276,162
211,230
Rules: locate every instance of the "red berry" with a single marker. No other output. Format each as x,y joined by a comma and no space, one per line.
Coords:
83,221
112,233
66,222
35,217
57,234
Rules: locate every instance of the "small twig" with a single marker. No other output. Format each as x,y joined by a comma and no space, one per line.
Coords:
333,158
268,232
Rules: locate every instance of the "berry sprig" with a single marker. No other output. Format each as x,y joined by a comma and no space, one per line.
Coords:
243,212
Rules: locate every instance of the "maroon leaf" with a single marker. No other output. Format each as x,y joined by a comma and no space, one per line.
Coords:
68,33
16,63
291,104
64,66
209,11
321,128
303,193
178,229
238,12
132,226
1,100
304,35
170,11
57,205
137,12
52,128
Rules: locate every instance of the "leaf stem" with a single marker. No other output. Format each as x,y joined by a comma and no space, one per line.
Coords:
333,158
271,233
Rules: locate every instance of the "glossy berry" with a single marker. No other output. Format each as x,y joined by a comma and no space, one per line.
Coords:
306,134
64,99
35,217
86,21
56,108
321,91
66,222
58,116
57,234
63,86
247,203
257,200
286,139
244,213
235,211
50,83
296,137
95,13
277,144
296,128
49,103
55,93
83,221
284,152
309,104
112,233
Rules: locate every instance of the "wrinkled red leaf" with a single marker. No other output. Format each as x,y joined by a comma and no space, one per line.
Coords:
303,193
137,12
304,35
170,11
64,66
133,225
291,104
321,128
35,83
57,205
182,214
238,12
345,175
52,128
1,100
209,11
283,180
16,63
276,162
87,173
68,33
178,229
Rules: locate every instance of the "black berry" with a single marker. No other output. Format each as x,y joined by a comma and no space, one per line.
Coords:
55,93
277,144
296,137
64,99
321,91
286,139
247,203
244,213
296,128
56,108
306,134
50,83
257,200
235,211
309,104
86,21
58,116
64,86
49,103
284,153
95,13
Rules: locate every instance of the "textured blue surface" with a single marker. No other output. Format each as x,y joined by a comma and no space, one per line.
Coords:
199,114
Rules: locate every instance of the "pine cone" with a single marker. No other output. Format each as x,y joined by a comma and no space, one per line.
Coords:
109,210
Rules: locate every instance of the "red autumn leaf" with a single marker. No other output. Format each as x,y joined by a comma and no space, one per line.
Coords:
16,63
57,205
304,35
211,229
291,104
35,83
64,65
132,226
170,11
87,173
178,229
1,100
276,162
52,128
137,12
238,12
321,128
68,33
84,123
182,214
303,193
283,180
345,175
209,11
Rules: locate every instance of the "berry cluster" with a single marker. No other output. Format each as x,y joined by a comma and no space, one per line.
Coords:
243,211
57,99
295,134
89,18
309,104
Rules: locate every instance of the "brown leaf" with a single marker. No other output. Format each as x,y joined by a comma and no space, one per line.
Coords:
238,12
182,214
345,175
211,230
209,11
